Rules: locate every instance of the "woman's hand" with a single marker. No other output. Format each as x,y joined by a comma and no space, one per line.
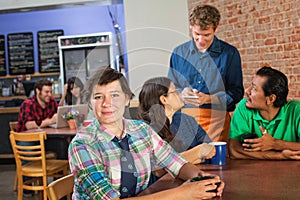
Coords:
206,151
201,189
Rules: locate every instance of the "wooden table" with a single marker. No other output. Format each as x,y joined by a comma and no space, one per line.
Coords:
58,140
66,131
248,179
60,131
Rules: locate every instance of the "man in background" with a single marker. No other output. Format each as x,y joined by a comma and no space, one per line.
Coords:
41,106
208,73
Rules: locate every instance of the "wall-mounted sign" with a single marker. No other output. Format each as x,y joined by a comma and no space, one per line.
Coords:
48,50
2,56
20,53
83,40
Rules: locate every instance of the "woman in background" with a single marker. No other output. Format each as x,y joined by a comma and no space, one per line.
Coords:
72,89
159,102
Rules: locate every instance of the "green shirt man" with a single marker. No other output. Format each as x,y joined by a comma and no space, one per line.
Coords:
266,112
285,126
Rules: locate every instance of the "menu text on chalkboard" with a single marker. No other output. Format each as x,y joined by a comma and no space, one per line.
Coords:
48,50
2,56
20,53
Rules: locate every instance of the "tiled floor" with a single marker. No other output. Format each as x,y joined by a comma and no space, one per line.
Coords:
7,175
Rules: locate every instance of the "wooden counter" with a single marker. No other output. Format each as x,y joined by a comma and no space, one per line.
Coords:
7,114
134,103
9,98
4,110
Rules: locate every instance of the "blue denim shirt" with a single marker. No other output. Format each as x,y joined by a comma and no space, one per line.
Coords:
217,72
188,131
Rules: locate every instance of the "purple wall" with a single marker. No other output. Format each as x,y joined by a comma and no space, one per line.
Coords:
73,21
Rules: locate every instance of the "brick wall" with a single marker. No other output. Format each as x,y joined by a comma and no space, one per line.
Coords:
266,32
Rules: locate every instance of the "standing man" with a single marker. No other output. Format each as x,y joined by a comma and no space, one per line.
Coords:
209,70
40,106
266,112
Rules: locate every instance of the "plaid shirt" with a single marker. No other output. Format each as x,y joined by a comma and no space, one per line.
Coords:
95,159
31,109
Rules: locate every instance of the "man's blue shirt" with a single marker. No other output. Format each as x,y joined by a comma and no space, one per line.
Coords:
217,71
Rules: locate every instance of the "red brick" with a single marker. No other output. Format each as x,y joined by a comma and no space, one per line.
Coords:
265,32
270,41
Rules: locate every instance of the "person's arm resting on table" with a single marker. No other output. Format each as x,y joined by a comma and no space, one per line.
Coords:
46,122
194,190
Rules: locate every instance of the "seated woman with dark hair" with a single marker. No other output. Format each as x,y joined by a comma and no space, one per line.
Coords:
72,90
159,102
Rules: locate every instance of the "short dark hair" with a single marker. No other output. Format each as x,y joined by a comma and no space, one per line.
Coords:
104,76
276,83
204,16
40,83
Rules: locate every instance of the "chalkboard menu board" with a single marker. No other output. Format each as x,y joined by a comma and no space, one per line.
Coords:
2,56
20,53
48,50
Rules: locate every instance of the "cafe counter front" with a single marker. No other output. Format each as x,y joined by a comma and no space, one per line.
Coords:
7,114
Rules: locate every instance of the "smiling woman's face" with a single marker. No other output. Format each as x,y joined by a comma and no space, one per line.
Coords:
108,103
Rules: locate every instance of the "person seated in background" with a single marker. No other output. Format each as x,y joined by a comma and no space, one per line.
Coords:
41,106
72,94
72,89
159,102
266,112
111,157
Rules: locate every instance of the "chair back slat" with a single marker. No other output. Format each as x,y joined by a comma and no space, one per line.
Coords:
61,187
32,147
13,125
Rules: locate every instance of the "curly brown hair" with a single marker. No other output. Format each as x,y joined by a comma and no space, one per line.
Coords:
204,16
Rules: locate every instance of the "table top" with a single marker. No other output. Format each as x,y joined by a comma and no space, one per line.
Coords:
248,179
66,131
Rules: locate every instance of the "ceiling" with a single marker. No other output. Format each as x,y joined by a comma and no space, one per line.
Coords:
15,6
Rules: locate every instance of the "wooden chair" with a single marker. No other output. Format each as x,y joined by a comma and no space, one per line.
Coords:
61,187
37,166
13,125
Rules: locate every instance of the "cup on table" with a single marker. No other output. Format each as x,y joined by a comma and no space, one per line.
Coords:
87,122
220,157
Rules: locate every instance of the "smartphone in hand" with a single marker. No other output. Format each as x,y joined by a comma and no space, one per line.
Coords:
190,97
248,136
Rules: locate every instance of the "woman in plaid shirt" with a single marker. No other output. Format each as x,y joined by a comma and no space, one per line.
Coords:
95,157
